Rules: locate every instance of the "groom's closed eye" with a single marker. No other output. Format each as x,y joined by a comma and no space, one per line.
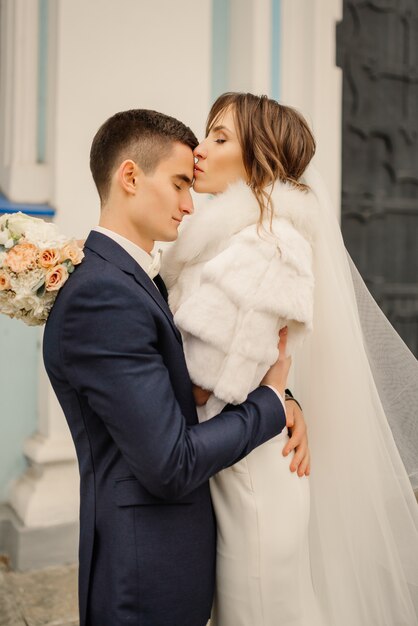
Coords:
182,178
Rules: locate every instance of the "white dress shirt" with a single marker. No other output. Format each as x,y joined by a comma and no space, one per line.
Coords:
150,264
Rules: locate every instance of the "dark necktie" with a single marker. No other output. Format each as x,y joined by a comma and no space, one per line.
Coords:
161,286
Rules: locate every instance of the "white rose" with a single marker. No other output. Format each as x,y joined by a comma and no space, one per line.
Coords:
5,239
4,236
34,230
31,281
28,302
27,307
44,234
17,224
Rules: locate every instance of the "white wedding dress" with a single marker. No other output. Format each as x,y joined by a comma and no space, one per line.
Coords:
263,565
339,548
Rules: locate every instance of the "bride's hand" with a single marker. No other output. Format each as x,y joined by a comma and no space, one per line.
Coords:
201,396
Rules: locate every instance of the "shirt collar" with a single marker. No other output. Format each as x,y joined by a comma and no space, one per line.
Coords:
149,263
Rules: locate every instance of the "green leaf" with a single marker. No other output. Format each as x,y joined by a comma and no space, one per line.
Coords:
68,265
41,290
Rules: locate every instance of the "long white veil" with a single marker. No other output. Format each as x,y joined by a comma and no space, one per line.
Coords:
395,372
354,377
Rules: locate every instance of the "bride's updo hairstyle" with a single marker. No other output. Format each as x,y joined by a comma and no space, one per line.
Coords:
276,142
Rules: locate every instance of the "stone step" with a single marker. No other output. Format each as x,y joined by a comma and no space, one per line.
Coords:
46,597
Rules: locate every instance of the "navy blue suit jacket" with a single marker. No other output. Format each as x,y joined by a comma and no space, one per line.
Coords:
116,363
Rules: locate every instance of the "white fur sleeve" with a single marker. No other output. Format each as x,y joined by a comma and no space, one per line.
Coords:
247,293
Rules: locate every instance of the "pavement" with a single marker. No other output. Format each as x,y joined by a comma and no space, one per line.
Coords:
46,597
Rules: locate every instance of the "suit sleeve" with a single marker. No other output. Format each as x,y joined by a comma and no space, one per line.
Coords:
248,292
110,351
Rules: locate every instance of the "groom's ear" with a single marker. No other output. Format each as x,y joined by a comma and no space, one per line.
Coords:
128,173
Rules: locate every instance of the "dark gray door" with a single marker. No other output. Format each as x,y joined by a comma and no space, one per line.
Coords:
377,44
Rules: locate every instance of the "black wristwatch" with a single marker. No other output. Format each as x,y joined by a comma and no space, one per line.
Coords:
288,395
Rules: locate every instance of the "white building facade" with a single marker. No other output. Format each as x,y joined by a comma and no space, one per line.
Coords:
66,66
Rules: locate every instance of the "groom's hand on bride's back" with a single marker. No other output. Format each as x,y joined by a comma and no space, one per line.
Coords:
201,396
277,377
298,441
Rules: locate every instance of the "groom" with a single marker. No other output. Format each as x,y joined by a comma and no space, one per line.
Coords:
116,363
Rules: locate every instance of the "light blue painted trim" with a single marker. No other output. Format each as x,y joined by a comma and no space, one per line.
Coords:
275,48
37,210
18,371
42,80
221,17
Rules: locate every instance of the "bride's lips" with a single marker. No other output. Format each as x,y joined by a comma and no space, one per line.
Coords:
197,169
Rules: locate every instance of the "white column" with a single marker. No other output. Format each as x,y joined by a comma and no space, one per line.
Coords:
22,178
47,493
311,81
250,46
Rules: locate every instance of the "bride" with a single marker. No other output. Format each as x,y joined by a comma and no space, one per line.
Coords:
339,548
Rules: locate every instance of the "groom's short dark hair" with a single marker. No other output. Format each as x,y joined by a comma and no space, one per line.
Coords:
142,135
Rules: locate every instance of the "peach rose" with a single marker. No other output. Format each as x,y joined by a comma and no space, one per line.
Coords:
71,252
55,278
49,257
4,281
21,257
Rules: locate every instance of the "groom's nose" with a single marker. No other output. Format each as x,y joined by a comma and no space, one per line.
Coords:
186,205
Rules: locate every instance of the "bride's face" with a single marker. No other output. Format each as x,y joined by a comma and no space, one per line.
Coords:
219,157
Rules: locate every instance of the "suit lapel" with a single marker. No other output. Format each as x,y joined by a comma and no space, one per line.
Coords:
151,288
114,253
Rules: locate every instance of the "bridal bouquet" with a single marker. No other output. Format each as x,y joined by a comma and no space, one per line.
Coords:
35,262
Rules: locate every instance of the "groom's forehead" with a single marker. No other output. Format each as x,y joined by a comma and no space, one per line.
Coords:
179,162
